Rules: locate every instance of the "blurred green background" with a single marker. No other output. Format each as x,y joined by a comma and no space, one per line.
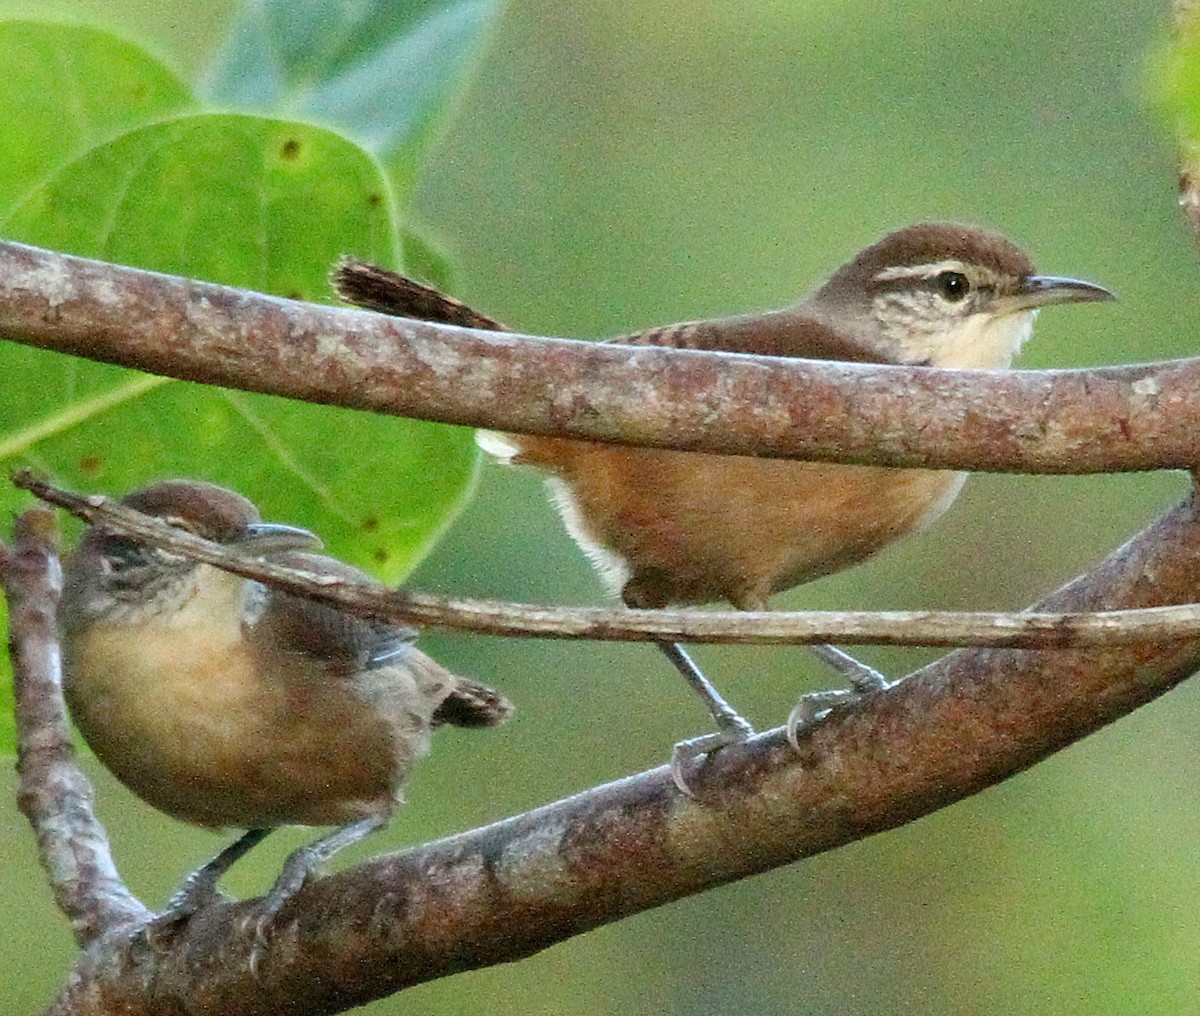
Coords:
617,164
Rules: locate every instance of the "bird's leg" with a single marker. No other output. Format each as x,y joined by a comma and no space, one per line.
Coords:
731,727
298,867
199,889
863,681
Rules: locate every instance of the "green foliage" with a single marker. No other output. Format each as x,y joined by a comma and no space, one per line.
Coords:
111,157
288,56
1174,81
67,88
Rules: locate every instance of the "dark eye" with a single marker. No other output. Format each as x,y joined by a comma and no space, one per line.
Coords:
126,559
954,286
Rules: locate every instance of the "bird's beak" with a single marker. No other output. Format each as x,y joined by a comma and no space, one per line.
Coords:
263,537
1043,290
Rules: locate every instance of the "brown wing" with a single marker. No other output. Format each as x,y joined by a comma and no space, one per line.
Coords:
344,642
789,332
347,645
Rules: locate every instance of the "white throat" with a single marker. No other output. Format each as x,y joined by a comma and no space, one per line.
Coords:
980,341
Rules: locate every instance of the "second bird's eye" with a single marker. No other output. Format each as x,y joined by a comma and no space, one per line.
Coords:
954,286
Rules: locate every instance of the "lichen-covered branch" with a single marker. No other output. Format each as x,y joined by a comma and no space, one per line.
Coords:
1100,420
53,794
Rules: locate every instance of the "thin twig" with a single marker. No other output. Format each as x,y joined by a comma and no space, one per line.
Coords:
1078,421
54,794
905,628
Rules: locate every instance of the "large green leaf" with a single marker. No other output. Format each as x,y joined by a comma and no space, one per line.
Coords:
67,88
250,202
382,71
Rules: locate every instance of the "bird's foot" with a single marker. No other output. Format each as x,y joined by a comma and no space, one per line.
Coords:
863,679
731,729
300,866
812,707
192,898
199,890
197,893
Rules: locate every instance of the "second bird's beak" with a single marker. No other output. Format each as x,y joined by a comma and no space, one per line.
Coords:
266,537
1043,290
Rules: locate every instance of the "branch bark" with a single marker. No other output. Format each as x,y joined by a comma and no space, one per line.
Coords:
53,793
1076,421
503,892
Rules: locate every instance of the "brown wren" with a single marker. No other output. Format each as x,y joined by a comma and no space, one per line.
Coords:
229,703
676,528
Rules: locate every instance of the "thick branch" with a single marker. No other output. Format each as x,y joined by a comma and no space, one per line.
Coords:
502,892
1102,420
908,628
54,795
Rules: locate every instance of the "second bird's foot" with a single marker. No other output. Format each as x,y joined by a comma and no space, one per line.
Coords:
734,730
813,707
863,680
196,894
299,867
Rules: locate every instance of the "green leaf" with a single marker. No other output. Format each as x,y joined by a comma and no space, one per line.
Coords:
1174,80
249,202
67,88
425,261
381,71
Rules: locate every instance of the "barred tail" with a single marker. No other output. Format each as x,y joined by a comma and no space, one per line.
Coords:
471,704
366,285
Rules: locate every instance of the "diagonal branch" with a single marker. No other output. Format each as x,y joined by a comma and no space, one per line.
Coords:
502,892
909,628
1076,421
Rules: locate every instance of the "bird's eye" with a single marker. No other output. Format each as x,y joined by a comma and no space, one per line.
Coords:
124,559
954,286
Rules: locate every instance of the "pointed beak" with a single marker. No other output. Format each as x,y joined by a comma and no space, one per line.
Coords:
268,537
1043,290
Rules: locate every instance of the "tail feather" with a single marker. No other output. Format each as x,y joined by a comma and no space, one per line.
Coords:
472,704
366,285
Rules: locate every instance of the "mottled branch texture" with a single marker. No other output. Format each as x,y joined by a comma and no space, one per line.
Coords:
1024,630
53,793
1075,421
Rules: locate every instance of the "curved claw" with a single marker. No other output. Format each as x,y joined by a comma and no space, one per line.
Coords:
864,681
697,747
300,865
812,707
